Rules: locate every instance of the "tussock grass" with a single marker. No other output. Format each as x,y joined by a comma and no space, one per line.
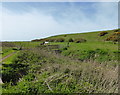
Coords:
59,74
89,67
96,78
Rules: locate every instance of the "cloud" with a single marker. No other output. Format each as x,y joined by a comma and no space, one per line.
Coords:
40,23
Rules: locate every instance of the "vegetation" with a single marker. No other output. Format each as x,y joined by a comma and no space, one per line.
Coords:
114,37
70,40
55,74
103,33
70,63
80,40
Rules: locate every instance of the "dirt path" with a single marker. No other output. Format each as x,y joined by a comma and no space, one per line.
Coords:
7,56
1,81
4,59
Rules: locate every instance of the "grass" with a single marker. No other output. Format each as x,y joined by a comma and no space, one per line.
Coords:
82,51
27,44
7,53
89,36
89,67
11,58
88,45
59,74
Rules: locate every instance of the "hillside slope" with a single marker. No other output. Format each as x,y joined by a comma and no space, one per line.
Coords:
69,63
89,36
100,46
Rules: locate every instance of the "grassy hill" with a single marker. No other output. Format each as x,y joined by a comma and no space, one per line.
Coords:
100,46
69,63
89,36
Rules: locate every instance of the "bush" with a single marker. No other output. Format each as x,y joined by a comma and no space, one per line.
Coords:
67,76
117,30
116,33
12,72
103,33
70,40
59,40
65,48
51,40
65,35
113,38
80,40
15,48
67,70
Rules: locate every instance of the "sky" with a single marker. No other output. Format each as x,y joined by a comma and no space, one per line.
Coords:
25,21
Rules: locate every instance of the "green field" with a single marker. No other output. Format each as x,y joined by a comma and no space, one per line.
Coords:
69,63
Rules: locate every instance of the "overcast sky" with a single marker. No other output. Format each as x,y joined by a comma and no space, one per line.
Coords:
27,21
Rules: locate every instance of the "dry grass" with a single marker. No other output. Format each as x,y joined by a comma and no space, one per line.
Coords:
92,77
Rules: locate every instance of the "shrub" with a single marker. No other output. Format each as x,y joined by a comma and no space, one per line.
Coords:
51,40
80,40
59,40
65,48
68,76
12,72
70,40
103,33
67,70
113,38
65,35
116,33
117,30
16,48
29,77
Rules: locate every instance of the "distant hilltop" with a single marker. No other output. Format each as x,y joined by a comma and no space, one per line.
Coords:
109,35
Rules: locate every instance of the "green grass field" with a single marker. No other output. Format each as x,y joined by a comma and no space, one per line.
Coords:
87,64
89,36
11,58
